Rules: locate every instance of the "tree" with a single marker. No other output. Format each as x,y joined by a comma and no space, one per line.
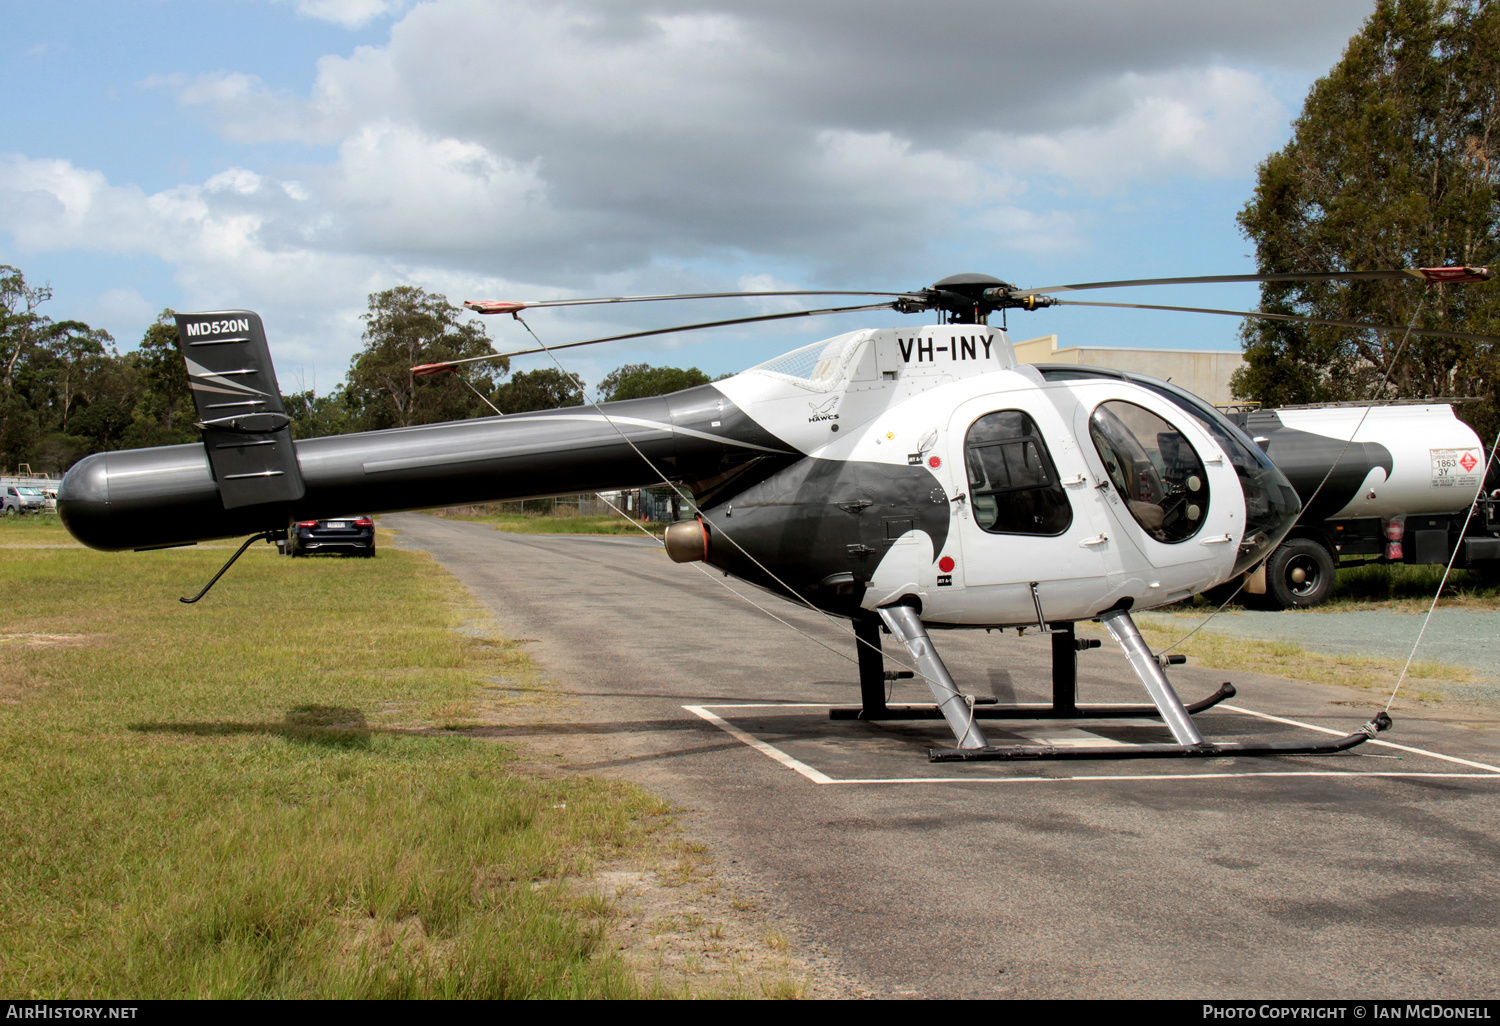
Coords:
51,374
314,416
544,389
1394,162
406,327
19,321
641,380
166,398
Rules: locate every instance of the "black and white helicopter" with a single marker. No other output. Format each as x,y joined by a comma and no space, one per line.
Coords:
902,478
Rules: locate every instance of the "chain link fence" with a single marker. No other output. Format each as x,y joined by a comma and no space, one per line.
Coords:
654,504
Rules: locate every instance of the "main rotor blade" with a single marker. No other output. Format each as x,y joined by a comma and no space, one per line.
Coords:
500,306
1430,275
1428,332
437,368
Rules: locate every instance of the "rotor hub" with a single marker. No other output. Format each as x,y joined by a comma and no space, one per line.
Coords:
970,298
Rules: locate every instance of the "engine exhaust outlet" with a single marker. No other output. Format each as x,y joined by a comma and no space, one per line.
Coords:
687,541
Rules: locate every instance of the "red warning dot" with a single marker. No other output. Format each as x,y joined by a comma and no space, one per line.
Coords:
934,463
946,564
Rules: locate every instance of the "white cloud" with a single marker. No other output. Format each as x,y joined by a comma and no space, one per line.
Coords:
402,191
351,14
602,146
1206,122
238,180
576,140
1032,233
120,306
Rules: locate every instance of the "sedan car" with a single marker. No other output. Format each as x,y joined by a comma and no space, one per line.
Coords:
349,536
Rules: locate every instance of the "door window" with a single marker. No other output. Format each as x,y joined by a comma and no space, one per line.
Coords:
1013,485
1153,467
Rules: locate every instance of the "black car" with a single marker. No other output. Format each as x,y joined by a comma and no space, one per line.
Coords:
349,536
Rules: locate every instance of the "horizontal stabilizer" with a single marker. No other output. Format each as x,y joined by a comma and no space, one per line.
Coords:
245,426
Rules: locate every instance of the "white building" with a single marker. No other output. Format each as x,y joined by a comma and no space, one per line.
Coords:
1204,372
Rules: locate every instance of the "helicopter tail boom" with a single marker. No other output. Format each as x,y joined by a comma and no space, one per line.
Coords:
177,495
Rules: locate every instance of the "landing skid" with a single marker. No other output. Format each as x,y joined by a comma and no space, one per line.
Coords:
963,713
1207,749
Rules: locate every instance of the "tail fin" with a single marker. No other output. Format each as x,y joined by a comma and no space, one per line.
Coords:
245,426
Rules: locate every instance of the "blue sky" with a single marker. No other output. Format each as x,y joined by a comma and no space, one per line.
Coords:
291,157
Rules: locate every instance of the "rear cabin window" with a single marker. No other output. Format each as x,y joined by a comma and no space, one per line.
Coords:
1152,466
1013,485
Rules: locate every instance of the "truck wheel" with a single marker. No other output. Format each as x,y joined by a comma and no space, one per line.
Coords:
1299,574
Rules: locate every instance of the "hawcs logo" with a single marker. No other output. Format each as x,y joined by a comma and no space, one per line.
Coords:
823,411
196,328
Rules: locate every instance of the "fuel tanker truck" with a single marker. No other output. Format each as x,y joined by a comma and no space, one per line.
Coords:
1398,493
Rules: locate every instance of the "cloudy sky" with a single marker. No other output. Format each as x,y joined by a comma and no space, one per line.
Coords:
292,156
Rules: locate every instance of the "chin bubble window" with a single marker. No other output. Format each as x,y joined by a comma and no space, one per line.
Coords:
1153,468
1012,483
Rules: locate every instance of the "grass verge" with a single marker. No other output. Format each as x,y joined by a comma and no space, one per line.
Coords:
250,797
1288,659
518,523
1409,589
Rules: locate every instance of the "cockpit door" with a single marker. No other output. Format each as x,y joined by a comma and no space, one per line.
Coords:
1028,514
1151,472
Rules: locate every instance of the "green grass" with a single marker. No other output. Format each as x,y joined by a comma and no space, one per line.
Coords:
1409,588
530,524
1210,649
249,798
33,529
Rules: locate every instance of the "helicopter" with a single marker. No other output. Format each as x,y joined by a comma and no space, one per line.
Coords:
907,480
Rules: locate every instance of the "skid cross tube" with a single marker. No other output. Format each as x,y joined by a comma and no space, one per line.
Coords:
1124,630
987,709
905,623
872,682
961,713
874,678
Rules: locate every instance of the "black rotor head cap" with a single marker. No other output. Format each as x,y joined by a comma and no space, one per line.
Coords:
970,285
962,296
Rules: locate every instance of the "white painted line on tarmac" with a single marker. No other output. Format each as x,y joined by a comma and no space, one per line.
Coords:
771,751
1162,776
819,777
1372,741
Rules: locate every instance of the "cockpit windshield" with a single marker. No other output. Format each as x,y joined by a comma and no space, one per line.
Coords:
1271,504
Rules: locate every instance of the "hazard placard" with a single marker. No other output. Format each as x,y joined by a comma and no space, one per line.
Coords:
1456,468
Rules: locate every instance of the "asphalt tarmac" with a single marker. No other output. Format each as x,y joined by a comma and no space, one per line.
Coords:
1370,874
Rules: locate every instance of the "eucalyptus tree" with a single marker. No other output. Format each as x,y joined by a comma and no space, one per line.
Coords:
1394,162
404,328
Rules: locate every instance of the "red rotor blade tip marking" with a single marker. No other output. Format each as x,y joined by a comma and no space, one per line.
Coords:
430,368
488,306
1453,274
